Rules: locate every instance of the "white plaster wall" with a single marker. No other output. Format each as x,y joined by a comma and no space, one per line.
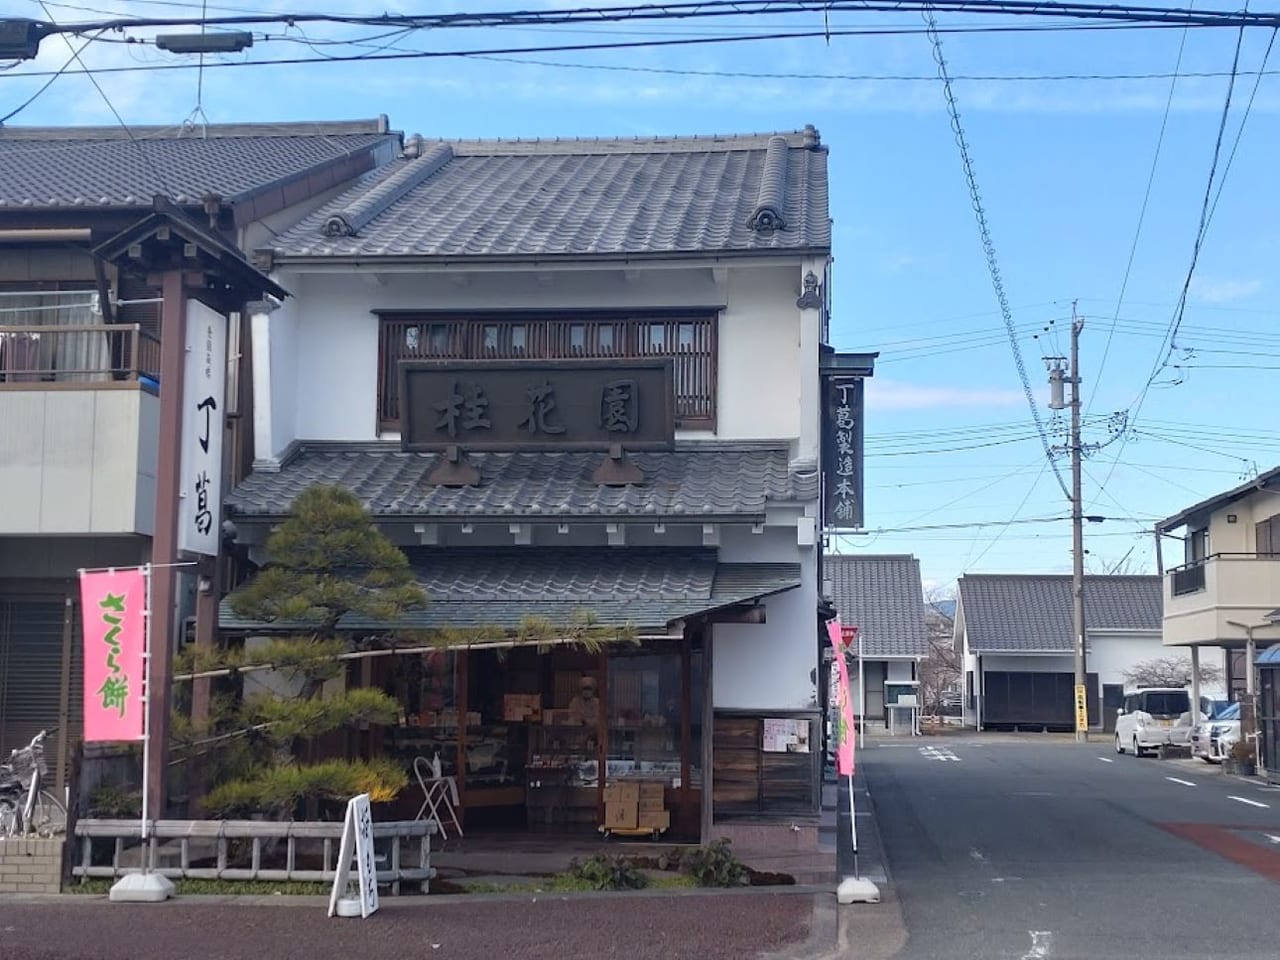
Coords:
759,373
324,341
769,666
1110,655
282,325
899,670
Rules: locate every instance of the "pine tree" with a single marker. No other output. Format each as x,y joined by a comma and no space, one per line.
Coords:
327,562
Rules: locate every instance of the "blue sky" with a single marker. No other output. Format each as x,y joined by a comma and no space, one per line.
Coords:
1062,165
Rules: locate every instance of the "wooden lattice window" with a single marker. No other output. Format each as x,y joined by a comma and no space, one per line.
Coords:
690,340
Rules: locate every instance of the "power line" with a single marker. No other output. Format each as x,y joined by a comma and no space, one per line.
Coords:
703,9
1142,216
1162,356
868,77
75,55
988,246
578,47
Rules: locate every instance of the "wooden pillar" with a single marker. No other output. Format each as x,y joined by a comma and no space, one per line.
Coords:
206,637
164,538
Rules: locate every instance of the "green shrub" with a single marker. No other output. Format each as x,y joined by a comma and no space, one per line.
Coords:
112,801
603,872
714,865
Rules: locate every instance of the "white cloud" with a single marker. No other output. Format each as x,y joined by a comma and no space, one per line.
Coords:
897,395
1209,290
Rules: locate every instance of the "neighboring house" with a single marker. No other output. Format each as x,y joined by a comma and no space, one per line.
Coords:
1015,633
80,355
1226,590
883,597
568,376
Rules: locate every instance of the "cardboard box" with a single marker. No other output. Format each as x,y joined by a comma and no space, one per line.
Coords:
622,792
651,804
620,816
651,789
654,819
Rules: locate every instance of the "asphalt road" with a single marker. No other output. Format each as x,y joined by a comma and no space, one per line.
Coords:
1037,847
615,926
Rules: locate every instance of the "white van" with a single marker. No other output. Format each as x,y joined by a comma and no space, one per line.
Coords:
1147,716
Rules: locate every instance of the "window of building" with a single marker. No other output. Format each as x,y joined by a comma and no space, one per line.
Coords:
689,341
1267,534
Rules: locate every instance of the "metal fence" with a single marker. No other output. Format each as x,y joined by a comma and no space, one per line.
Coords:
248,850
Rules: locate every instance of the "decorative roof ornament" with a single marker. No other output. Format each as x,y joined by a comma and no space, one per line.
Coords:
348,221
809,298
772,194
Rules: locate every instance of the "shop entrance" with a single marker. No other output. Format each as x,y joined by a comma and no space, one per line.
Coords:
527,733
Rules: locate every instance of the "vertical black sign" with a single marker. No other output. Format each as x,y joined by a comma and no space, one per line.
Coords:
842,452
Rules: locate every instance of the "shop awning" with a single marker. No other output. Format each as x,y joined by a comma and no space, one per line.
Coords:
645,589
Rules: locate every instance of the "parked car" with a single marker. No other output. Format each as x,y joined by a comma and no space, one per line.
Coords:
1183,730
1147,717
1212,739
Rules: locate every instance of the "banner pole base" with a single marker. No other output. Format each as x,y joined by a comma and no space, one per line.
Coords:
857,890
141,888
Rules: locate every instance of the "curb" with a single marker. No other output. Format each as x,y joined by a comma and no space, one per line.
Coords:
437,900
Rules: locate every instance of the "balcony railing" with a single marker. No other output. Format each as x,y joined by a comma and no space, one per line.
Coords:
86,354
1190,577
1187,579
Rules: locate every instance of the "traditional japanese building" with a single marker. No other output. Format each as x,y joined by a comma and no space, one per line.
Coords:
578,382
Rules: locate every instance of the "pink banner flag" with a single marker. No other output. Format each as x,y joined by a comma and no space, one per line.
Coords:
844,699
112,608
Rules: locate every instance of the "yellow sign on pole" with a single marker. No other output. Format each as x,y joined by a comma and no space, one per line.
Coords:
1082,709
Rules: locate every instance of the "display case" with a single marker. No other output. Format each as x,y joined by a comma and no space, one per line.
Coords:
562,774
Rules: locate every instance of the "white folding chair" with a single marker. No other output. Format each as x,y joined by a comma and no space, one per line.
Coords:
439,795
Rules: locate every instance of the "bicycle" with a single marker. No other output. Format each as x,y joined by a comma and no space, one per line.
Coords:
26,807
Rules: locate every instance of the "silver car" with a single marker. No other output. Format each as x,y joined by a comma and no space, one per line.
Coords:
1212,739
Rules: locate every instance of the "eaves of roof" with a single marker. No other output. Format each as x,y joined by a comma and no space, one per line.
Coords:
1260,482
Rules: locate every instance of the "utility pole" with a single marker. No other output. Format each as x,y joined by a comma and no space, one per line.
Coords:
1057,377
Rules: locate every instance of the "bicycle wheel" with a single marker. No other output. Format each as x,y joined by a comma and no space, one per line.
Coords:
10,818
49,816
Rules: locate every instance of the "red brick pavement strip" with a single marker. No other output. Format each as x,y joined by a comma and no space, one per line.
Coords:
605,928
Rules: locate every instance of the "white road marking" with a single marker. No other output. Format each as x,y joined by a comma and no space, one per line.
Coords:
976,854
938,753
1272,837
1106,760
1185,783
1252,803
1041,941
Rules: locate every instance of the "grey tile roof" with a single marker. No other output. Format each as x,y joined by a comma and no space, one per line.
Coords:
883,597
1018,612
103,167
643,588
702,480
580,197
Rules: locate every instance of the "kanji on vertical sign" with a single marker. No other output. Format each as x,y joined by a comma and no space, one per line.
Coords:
113,608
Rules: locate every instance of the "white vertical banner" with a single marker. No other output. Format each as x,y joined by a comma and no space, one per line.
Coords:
203,411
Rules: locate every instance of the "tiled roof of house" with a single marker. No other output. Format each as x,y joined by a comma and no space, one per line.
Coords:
882,596
645,588
507,199
95,167
1032,613
702,480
